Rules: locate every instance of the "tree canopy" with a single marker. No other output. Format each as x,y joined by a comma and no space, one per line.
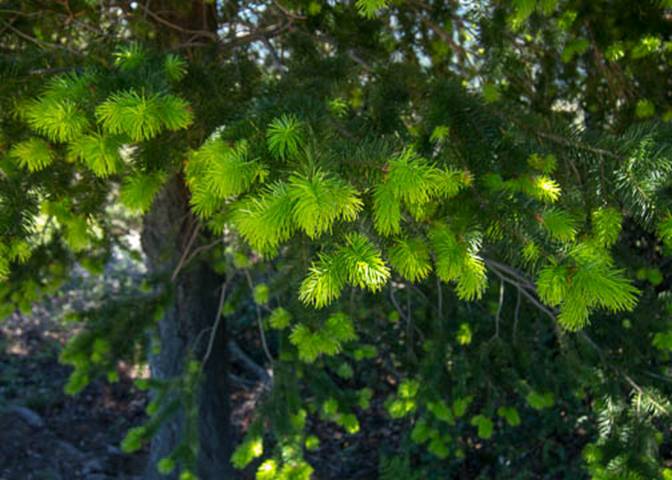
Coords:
459,208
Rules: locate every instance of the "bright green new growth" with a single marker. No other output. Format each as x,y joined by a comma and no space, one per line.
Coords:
484,425
458,261
405,401
252,447
141,116
34,154
327,340
589,281
370,8
552,284
324,283
261,294
410,257
56,113
265,221
312,204
607,225
545,164
99,152
59,119
138,190
386,210
363,263
319,200
129,57
665,230
225,170
540,401
415,182
280,319
510,414
539,187
357,262
543,188
559,224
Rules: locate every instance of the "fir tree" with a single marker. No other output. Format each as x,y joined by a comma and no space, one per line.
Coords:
338,157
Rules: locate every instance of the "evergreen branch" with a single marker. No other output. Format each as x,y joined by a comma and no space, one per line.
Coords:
578,145
610,365
522,284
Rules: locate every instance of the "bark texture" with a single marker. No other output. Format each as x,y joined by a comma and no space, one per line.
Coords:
185,330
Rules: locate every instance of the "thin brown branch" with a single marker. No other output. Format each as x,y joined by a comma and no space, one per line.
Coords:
185,252
215,326
36,41
163,21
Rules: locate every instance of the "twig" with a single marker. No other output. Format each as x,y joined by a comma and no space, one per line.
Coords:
201,33
277,63
38,42
530,295
287,13
579,145
519,276
524,291
403,315
269,32
185,252
619,371
359,60
200,249
218,319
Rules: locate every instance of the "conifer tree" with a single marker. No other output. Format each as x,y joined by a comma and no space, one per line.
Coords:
474,193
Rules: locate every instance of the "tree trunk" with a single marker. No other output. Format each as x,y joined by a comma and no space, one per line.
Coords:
167,229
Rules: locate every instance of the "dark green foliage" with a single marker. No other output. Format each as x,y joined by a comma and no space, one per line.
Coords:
440,204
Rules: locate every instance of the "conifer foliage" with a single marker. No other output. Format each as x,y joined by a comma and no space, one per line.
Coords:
408,216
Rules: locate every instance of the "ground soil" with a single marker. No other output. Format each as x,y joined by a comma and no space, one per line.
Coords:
46,434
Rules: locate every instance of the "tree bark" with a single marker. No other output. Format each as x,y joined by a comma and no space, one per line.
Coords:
185,330
186,326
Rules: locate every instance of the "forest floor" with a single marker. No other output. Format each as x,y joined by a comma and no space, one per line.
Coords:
46,434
